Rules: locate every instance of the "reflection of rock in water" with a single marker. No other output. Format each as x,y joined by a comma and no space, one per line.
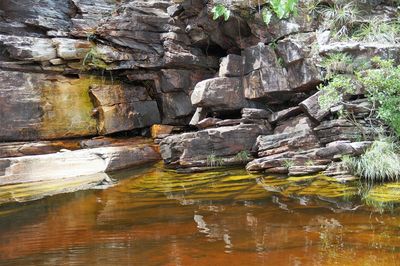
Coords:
214,231
201,224
38,190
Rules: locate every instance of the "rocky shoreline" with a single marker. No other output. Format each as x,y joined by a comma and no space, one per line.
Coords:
209,92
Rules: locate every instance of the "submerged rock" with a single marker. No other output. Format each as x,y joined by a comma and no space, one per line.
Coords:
37,190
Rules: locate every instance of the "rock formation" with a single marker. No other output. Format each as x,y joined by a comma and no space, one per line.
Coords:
240,90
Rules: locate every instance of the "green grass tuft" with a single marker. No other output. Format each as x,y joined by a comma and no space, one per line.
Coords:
381,162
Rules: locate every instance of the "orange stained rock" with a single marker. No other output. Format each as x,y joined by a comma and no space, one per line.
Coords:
157,130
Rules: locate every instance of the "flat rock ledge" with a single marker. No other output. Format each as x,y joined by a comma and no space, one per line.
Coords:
68,164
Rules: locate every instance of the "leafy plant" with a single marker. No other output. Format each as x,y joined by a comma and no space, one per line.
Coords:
220,10
243,156
333,92
266,15
337,63
282,9
383,89
380,162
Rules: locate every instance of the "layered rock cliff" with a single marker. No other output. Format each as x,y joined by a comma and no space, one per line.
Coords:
84,68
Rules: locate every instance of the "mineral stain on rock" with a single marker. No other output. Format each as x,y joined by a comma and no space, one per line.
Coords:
67,108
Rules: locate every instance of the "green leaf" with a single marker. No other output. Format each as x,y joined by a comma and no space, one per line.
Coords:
227,14
278,6
266,15
290,6
220,11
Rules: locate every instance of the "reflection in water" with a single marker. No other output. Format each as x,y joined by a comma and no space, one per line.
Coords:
154,216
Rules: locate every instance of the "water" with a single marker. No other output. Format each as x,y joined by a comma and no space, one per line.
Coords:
153,216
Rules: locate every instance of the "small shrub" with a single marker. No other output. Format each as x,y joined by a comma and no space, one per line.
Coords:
93,59
380,162
383,89
333,92
243,156
312,8
337,63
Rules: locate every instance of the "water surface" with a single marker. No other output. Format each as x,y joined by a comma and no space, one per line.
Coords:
154,216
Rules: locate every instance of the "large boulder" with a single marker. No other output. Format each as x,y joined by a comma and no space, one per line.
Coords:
360,51
283,114
303,75
70,49
48,15
342,129
292,135
296,47
219,94
173,80
186,148
176,108
123,107
265,77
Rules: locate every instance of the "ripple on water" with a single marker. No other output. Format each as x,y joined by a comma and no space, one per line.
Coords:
154,216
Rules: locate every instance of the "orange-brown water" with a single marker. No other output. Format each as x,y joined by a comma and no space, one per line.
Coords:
157,217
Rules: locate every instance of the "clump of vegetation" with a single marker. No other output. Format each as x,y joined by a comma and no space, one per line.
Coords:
281,9
383,89
287,163
92,59
243,156
380,162
337,63
340,16
381,83
312,8
214,161
377,30
332,93
220,10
